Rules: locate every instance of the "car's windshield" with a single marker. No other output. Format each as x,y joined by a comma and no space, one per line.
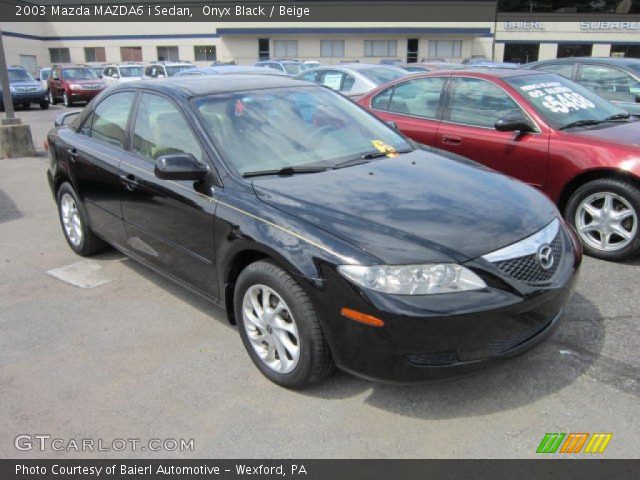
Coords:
635,67
175,69
131,71
293,127
44,73
293,68
79,74
380,75
19,75
560,101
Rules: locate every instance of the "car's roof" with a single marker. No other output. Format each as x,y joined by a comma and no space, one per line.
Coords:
230,70
212,84
482,72
609,60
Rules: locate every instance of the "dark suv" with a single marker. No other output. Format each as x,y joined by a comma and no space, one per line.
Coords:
24,89
73,84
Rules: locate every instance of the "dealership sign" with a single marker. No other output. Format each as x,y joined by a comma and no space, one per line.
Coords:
523,26
611,26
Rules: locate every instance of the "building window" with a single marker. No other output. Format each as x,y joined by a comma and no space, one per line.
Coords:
332,48
263,49
380,48
94,54
131,54
168,54
445,48
622,50
205,53
574,50
285,48
521,52
59,55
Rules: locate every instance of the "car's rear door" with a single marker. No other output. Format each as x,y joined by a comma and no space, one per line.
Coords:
415,105
169,223
94,153
468,129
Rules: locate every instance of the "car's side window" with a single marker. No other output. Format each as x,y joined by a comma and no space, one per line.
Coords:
347,83
420,97
110,118
611,83
479,103
332,79
160,129
381,100
310,76
564,69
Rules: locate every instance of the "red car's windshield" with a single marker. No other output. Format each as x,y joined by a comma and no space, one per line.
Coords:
560,101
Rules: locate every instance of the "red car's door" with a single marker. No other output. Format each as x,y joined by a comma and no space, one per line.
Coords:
414,105
468,129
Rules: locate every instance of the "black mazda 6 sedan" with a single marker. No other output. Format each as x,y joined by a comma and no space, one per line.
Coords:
330,238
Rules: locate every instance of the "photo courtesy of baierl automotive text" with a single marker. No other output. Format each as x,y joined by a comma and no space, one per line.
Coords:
320,239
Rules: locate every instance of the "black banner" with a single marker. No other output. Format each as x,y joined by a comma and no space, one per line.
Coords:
319,469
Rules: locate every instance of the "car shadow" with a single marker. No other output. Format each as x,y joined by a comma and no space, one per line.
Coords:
569,353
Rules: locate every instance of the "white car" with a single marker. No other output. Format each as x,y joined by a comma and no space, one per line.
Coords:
166,69
123,72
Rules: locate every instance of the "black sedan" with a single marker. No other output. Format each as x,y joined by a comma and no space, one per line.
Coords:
329,237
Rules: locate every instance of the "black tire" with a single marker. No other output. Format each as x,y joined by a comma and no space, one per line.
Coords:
629,192
52,98
44,104
26,106
90,243
315,362
66,100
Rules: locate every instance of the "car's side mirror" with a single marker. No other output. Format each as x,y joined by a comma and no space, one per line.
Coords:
515,122
179,166
392,124
65,118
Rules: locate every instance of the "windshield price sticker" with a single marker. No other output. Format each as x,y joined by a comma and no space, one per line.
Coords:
557,97
384,148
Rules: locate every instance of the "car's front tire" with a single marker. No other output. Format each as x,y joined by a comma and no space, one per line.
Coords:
52,98
75,225
66,100
280,328
605,213
44,104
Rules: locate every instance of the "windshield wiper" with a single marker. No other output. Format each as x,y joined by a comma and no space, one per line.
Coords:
284,171
366,157
586,123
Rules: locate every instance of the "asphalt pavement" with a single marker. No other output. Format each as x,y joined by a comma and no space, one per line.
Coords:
140,358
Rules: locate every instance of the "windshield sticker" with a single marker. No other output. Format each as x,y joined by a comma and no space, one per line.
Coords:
384,148
557,97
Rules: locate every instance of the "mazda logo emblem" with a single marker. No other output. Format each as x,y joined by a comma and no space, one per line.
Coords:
545,256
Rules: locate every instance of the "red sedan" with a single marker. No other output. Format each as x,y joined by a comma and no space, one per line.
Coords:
541,128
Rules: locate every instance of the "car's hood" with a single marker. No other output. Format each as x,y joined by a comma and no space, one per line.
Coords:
419,207
85,81
619,133
130,79
26,83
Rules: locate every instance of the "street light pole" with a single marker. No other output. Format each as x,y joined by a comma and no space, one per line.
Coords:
4,83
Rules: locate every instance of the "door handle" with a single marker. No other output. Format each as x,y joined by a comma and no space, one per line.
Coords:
451,139
73,153
130,182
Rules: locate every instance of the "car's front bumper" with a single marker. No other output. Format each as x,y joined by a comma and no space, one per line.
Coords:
82,95
29,97
433,337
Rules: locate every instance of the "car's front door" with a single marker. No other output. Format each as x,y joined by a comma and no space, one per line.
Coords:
94,153
55,82
468,129
169,223
414,106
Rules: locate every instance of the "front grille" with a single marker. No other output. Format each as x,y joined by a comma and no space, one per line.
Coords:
91,87
527,268
432,359
498,347
26,89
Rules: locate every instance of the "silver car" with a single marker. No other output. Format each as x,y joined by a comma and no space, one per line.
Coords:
353,79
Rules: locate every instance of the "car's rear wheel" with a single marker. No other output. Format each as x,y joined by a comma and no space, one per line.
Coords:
66,100
605,213
52,98
75,226
44,104
279,327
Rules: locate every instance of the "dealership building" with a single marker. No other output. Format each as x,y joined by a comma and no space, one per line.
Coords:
39,44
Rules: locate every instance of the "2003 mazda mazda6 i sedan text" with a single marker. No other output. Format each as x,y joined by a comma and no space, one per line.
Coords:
328,236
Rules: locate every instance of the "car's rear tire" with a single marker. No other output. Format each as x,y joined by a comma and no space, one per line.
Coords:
66,100
44,104
52,98
605,213
285,339
75,225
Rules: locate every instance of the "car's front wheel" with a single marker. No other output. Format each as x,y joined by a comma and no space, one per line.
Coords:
605,214
279,327
52,98
66,100
75,226
44,104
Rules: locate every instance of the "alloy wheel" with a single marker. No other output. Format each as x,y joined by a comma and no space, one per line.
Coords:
52,100
71,219
606,221
271,328
65,98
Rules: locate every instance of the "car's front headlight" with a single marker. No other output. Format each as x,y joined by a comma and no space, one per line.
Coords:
75,86
12,89
413,279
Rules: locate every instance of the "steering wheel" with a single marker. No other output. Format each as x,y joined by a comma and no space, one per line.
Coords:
316,135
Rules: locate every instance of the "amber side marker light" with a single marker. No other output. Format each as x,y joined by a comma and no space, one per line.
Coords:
361,317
